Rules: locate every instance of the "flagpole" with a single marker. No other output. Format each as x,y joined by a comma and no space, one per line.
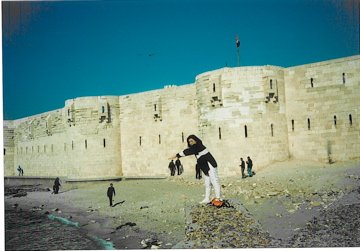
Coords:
238,56
237,42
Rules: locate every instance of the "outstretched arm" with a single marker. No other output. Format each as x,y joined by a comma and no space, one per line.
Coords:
186,152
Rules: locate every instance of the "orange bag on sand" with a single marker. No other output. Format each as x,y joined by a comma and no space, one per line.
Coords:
220,203
217,203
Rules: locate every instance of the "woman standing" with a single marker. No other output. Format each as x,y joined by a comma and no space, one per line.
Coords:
205,162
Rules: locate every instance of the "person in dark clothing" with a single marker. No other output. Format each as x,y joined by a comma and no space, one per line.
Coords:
198,172
111,193
242,165
249,166
56,186
172,168
20,170
206,163
178,166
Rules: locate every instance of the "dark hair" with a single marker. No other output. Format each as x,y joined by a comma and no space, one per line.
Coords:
198,141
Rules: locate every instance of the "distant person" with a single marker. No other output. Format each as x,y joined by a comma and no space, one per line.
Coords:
172,168
111,193
20,170
242,165
198,172
249,166
179,166
56,186
206,163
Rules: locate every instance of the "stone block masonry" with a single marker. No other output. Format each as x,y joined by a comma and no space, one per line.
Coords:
322,102
269,113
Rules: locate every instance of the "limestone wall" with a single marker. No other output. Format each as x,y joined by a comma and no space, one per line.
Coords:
9,148
154,126
323,101
268,113
94,134
79,140
241,114
34,148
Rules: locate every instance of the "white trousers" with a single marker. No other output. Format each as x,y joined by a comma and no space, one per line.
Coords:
212,180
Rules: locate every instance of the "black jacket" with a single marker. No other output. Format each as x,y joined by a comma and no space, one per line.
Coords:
171,165
177,163
249,163
110,191
57,182
202,160
242,164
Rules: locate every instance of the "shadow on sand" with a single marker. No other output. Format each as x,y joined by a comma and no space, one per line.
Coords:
118,203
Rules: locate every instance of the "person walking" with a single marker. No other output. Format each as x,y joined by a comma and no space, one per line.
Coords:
56,186
242,165
111,193
172,168
178,166
249,166
206,163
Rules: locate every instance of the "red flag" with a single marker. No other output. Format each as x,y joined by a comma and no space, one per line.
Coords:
237,41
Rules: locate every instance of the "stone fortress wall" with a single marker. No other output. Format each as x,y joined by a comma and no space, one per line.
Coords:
9,146
154,126
240,115
270,113
323,110
80,140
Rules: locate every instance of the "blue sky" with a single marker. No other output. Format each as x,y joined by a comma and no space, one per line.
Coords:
53,51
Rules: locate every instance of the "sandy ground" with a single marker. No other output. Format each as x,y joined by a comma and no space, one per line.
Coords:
282,198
